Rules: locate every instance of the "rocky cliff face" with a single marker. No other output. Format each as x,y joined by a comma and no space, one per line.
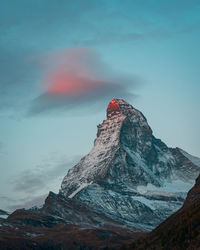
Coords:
129,175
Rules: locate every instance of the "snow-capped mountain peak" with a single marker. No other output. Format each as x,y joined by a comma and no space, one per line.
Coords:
95,165
119,106
129,173
129,179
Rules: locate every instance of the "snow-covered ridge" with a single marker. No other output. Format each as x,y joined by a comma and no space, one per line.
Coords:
127,110
193,159
95,164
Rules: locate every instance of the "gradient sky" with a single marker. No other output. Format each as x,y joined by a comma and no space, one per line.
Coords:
146,52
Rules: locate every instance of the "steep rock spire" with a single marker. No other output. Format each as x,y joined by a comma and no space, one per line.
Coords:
128,173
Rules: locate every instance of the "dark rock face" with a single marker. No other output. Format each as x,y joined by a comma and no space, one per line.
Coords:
60,210
193,196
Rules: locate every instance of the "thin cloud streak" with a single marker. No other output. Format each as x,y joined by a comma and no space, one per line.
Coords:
32,180
34,184
28,202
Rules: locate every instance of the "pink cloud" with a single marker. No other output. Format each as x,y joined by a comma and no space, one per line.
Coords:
78,75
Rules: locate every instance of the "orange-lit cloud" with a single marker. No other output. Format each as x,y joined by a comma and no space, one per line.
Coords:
78,76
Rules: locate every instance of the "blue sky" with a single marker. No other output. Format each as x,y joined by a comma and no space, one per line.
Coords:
146,52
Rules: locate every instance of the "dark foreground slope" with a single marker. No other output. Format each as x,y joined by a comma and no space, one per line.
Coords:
63,237
179,231
62,224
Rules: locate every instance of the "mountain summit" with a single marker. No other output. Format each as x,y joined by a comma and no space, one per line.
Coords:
125,127
119,106
130,176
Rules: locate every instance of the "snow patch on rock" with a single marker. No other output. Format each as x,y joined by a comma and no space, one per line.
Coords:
79,189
